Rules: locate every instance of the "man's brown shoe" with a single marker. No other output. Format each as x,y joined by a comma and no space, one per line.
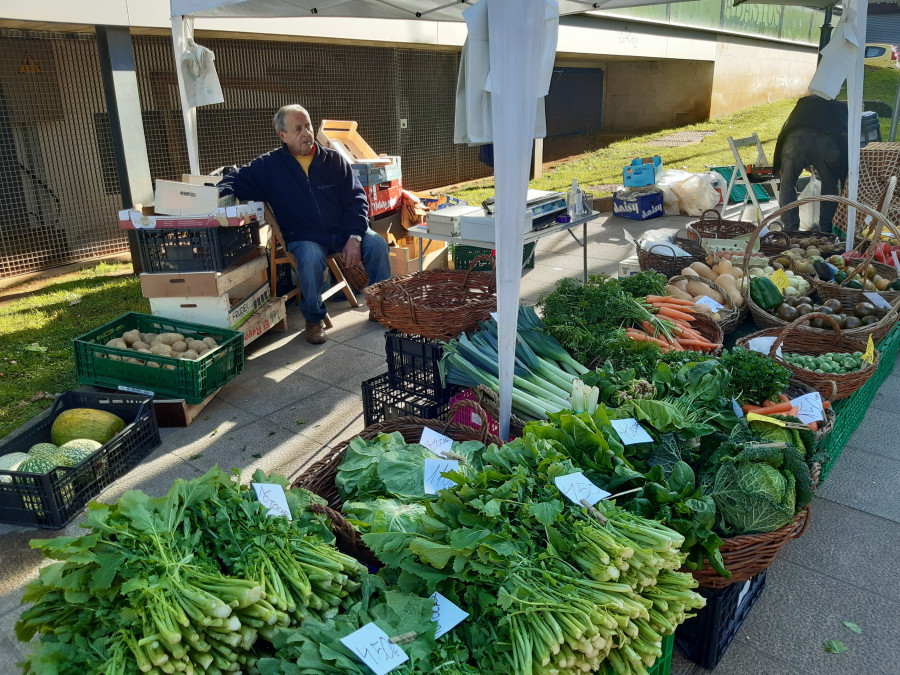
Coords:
315,332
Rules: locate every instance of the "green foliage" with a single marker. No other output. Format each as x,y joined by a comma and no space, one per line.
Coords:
644,283
384,515
754,377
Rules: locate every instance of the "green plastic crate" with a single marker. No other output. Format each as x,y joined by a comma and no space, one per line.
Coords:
663,665
851,411
194,381
464,255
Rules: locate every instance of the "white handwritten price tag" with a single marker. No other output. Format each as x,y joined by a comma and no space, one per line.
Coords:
763,232
628,237
631,432
763,345
896,262
445,614
709,302
437,443
434,481
576,487
272,496
373,646
877,300
737,409
810,407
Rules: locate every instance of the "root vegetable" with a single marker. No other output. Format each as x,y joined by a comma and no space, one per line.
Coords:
189,354
118,343
151,364
131,337
179,347
209,342
202,352
161,348
149,338
140,346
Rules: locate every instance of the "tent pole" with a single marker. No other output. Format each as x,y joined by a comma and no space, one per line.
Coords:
854,116
182,30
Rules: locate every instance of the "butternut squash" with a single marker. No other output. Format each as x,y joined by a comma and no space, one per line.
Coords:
680,285
676,292
704,271
724,267
729,284
698,288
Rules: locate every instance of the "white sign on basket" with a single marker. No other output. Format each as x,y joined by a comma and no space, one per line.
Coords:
631,432
763,345
373,646
628,237
434,481
737,409
272,496
810,407
709,302
445,614
495,317
576,487
437,443
877,300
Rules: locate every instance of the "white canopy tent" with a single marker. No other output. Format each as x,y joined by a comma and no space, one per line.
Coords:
516,35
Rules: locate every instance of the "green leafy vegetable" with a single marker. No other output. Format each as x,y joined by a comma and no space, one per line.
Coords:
852,626
835,647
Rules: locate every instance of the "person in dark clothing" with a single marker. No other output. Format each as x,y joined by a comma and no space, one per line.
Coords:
814,135
321,209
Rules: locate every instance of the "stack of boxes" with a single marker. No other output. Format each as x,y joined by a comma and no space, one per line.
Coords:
639,198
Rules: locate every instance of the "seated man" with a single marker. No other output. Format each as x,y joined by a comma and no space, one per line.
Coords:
321,209
814,135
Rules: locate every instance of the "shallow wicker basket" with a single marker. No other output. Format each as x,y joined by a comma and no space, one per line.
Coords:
319,478
796,339
356,275
779,241
747,555
716,227
661,257
437,304
710,330
733,316
797,388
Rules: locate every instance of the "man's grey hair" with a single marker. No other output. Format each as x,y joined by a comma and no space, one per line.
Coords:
278,120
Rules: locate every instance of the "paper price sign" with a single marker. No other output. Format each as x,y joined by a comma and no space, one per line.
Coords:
273,497
763,345
709,302
576,487
446,615
810,407
737,409
780,280
753,417
631,432
437,443
896,262
877,300
434,481
373,646
869,355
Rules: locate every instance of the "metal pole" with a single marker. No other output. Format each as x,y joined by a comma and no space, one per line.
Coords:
895,114
825,31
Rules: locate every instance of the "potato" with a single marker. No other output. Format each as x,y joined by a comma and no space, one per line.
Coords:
189,354
170,338
131,359
169,366
179,347
115,357
161,348
151,364
145,350
118,343
131,337
140,346
202,352
149,338
196,345
209,342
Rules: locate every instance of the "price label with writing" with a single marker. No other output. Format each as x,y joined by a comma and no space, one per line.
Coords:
877,300
762,345
437,443
628,237
809,407
434,481
576,487
737,409
631,432
709,302
446,615
373,646
869,355
780,280
272,496
753,417
896,262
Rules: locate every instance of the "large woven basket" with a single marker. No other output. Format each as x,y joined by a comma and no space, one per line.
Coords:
731,317
878,162
437,304
779,241
747,555
796,339
851,296
763,319
715,227
710,330
661,257
797,388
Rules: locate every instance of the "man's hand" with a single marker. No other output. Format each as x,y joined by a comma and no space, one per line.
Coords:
351,253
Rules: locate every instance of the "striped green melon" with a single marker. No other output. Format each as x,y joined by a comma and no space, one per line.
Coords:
76,451
11,462
38,464
42,449
97,425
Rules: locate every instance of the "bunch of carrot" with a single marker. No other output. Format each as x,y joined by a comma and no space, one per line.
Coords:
670,326
782,407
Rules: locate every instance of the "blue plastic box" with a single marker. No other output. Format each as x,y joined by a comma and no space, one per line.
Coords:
642,205
642,172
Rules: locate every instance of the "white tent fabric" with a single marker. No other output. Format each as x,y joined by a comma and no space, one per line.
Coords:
473,86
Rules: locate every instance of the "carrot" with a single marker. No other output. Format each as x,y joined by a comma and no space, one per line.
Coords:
669,300
647,326
675,308
690,333
814,426
640,336
768,404
795,410
784,398
675,314
706,344
775,409
826,404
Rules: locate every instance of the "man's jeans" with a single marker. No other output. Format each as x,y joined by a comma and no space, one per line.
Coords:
804,148
311,269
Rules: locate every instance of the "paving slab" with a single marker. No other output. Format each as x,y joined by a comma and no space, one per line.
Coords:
886,399
742,658
865,481
266,393
328,417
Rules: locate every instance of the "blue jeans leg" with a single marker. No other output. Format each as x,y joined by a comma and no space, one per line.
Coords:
311,270
375,257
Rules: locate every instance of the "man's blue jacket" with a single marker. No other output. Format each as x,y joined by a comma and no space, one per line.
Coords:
327,207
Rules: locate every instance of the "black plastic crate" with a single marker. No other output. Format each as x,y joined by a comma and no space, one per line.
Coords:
705,638
197,249
413,365
464,255
383,402
53,499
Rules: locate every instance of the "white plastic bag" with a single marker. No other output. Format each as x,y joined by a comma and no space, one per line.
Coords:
696,194
809,213
670,201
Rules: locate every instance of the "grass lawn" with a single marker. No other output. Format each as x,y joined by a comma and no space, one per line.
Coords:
604,167
36,331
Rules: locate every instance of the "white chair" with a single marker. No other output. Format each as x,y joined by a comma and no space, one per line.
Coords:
739,176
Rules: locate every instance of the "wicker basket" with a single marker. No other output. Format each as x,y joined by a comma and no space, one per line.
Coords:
800,340
710,330
661,257
747,555
437,304
797,388
779,241
718,228
733,316
851,296
356,275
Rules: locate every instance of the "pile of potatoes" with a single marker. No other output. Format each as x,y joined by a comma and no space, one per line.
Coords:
723,273
162,344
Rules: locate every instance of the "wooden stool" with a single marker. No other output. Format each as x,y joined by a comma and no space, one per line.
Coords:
280,254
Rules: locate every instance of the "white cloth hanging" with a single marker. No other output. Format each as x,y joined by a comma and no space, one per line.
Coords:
201,83
838,56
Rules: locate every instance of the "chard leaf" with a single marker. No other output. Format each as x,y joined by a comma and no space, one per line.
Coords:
431,552
546,513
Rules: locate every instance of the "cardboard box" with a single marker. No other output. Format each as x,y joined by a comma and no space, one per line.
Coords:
228,310
370,168
405,256
389,226
642,172
439,201
144,217
188,199
639,204
206,284
384,196
375,171
268,316
629,267
195,179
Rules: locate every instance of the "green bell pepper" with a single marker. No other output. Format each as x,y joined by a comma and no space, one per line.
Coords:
765,293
